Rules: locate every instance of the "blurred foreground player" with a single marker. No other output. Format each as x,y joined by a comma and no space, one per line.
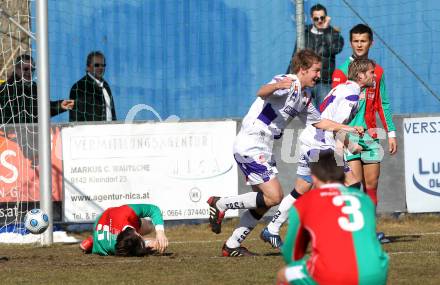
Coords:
119,230
339,222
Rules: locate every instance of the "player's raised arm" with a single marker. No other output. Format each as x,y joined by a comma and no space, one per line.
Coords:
270,88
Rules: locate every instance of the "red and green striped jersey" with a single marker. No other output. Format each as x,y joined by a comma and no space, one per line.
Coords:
340,224
113,220
376,100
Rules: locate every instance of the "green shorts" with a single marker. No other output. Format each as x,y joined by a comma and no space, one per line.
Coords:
372,151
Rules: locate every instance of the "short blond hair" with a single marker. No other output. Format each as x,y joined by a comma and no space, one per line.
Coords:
359,65
304,59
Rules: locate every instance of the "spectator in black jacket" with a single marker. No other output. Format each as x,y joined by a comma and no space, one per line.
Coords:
327,42
18,95
92,94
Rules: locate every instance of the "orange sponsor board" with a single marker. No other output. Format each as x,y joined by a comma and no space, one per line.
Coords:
19,165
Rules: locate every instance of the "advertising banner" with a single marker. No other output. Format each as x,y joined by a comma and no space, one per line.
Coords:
19,170
176,166
422,164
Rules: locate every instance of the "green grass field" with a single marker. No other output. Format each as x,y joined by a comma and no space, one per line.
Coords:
194,258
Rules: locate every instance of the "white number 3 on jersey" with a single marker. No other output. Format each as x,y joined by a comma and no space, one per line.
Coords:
352,209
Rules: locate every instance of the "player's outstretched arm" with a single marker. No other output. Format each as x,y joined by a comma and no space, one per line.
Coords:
330,125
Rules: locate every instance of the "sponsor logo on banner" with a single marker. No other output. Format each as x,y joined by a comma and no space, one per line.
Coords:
422,164
427,179
195,194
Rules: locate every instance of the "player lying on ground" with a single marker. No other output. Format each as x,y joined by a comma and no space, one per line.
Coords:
340,224
340,105
284,98
120,230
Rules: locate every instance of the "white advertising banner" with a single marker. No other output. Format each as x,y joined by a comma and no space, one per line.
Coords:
176,166
422,164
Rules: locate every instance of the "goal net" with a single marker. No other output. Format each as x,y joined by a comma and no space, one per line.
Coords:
19,169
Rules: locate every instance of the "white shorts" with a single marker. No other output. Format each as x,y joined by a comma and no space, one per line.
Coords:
256,169
255,159
308,155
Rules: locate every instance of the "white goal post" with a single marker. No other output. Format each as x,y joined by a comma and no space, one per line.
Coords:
44,118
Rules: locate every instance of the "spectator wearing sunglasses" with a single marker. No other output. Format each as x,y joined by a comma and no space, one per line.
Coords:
18,95
325,41
92,94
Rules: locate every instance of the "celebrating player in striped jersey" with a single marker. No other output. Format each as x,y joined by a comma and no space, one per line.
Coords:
340,223
285,97
340,105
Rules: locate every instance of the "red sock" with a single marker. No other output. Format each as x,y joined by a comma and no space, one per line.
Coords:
87,245
372,193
